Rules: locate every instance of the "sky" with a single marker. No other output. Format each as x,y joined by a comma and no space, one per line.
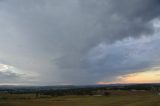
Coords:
79,42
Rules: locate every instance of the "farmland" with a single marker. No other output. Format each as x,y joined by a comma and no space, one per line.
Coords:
112,100
117,95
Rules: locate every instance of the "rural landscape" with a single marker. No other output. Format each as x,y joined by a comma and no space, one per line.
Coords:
79,52
106,95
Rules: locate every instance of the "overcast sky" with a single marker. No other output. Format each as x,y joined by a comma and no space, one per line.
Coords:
56,42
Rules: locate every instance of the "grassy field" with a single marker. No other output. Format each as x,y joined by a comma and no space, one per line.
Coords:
113,100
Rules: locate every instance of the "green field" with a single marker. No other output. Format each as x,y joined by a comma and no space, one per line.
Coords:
113,100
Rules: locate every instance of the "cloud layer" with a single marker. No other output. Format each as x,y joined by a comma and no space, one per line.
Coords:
79,41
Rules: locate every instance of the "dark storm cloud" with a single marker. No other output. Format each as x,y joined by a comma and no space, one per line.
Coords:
55,38
123,18
124,57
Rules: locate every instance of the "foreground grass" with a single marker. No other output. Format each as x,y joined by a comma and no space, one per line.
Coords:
121,100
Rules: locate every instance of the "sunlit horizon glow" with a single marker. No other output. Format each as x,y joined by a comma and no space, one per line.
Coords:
150,76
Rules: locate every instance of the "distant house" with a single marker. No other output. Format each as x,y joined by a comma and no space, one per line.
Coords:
101,93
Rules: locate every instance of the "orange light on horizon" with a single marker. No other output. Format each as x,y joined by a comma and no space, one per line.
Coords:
151,76
103,83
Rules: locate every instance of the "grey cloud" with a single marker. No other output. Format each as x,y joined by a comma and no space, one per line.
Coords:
123,58
8,76
53,37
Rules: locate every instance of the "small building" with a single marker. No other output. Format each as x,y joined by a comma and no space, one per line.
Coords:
101,93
